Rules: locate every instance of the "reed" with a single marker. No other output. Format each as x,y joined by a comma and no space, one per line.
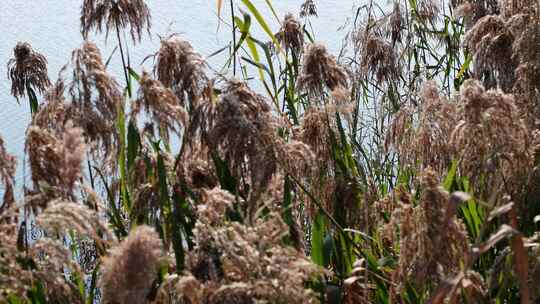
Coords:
402,170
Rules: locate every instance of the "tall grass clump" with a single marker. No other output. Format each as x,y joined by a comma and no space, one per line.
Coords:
402,170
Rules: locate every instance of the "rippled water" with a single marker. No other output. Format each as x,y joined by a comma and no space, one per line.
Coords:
52,27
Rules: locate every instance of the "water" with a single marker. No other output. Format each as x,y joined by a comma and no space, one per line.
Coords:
53,28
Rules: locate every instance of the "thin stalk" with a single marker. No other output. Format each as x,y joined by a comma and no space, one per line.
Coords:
234,37
123,60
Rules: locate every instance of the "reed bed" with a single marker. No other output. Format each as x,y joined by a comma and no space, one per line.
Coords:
404,169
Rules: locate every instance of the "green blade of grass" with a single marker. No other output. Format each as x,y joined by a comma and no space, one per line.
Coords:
261,21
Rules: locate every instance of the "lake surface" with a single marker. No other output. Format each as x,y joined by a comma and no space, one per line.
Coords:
53,28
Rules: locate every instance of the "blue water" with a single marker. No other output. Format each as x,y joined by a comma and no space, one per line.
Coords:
52,27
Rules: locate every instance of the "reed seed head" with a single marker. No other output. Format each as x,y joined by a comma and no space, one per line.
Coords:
164,108
107,15
8,165
235,263
308,8
181,68
291,34
320,69
95,101
27,70
55,160
378,56
131,268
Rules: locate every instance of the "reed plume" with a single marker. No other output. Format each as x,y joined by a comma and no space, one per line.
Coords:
27,71
320,69
200,174
493,140
55,161
308,8
130,269
237,263
424,140
433,242
427,10
165,109
490,40
181,68
396,23
14,279
53,265
61,217
242,130
95,101
291,34
114,15
378,55
8,166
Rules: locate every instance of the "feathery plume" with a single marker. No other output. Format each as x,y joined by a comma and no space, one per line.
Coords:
115,14
95,100
163,106
433,241
490,40
233,262
27,70
308,8
61,216
181,68
242,130
492,139
378,56
291,34
320,69
8,165
425,140
130,269
55,160
14,278
395,23
427,10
